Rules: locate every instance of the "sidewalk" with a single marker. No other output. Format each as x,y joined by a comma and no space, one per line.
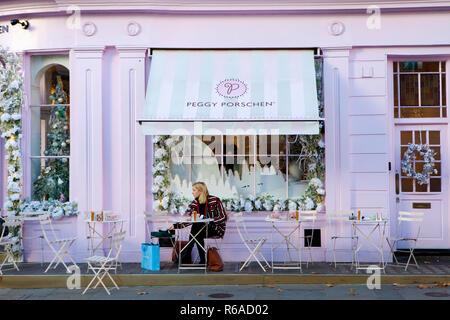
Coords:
434,269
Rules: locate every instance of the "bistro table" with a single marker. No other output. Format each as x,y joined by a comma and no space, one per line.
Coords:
95,229
193,237
286,239
375,225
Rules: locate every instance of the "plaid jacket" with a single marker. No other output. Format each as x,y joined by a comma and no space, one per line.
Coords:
214,210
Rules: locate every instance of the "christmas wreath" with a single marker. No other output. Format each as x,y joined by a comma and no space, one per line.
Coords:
428,168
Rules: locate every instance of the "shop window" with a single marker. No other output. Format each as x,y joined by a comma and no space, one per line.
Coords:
420,89
242,165
50,127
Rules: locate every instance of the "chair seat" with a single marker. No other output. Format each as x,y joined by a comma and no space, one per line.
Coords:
344,237
63,240
402,239
99,259
257,239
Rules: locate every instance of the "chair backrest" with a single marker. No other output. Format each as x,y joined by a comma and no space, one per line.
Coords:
338,215
46,220
10,222
308,215
116,244
241,227
407,221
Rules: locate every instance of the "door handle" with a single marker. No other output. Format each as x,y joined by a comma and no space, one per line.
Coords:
397,183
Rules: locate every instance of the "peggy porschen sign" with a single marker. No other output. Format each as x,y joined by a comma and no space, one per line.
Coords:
230,88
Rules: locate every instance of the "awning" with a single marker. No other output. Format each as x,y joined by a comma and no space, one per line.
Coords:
229,92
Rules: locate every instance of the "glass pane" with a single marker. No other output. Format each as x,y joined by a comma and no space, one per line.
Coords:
294,144
435,185
437,166
437,156
429,90
50,131
206,145
421,188
444,112
405,137
435,137
395,66
420,137
395,90
208,170
46,71
239,173
239,145
271,176
409,92
180,173
267,144
443,66
50,179
407,184
420,112
296,179
444,91
395,112
419,66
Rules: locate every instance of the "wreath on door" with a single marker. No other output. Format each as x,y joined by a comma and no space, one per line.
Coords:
428,168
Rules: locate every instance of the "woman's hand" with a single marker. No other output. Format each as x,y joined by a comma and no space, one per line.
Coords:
171,227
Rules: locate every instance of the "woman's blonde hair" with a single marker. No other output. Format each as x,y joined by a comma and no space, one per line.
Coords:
201,186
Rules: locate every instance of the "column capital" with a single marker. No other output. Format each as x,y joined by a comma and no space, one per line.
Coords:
132,52
89,52
336,52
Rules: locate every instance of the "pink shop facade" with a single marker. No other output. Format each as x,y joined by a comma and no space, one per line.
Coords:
383,82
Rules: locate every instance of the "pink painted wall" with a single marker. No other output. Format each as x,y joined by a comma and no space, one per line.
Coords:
109,155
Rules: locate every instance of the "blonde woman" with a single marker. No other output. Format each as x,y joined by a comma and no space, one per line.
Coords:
207,206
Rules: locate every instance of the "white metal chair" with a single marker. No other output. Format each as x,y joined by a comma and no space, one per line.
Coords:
60,247
35,215
407,221
101,265
308,216
7,242
252,244
336,216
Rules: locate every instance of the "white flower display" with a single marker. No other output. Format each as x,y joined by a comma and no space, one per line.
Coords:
316,183
292,205
428,168
248,206
159,153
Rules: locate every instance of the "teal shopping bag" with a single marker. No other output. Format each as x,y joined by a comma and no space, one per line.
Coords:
150,256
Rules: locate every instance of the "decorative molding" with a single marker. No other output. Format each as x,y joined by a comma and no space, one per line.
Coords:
133,28
336,28
89,29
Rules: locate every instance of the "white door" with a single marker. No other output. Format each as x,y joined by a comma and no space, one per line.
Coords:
428,198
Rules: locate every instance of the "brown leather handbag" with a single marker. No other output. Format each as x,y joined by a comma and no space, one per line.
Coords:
214,260
186,257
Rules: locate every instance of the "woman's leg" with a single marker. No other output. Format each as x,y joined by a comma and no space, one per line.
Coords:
200,238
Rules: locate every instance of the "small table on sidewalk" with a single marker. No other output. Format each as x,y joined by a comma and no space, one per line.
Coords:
379,225
94,233
287,240
188,221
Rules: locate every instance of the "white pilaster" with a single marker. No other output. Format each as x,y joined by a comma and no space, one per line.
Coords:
132,144
336,97
86,163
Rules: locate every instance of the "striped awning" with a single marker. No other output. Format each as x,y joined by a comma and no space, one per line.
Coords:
195,92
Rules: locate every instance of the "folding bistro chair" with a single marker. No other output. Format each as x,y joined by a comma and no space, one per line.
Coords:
252,244
308,215
60,247
101,265
407,221
335,216
6,240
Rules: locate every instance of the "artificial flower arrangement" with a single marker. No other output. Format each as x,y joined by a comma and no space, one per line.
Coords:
428,168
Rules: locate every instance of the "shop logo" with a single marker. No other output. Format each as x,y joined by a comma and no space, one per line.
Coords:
231,88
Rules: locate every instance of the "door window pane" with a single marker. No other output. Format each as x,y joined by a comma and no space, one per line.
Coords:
409,90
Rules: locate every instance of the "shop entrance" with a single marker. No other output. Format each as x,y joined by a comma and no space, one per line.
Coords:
431,198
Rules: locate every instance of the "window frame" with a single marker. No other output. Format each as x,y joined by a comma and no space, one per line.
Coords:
253,155
27,119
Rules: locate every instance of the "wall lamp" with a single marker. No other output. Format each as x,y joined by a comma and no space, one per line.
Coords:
25,24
